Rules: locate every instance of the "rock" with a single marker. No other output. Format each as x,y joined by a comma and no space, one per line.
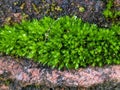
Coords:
4,87
105,77
15,10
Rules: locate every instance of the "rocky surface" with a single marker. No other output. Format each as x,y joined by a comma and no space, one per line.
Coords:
26,73
89,10
22,73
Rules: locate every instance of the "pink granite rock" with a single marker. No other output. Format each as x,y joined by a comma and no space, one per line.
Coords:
83,77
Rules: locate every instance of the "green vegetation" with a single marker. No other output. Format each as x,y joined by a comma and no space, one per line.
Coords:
67,42
5,81
110,12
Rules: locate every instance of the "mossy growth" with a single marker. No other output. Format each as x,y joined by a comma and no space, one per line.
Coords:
110,12
66,42
5,81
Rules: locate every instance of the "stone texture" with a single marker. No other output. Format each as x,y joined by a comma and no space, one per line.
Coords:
15,10
39,75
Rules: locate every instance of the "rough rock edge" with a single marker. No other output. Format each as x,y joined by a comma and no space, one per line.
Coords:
11,13
28,73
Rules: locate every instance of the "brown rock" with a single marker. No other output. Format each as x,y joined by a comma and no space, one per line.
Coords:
4,87
117,3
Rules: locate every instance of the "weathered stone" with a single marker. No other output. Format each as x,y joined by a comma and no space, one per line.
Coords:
52,78
16,10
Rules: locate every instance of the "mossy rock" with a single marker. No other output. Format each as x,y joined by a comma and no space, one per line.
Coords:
89,11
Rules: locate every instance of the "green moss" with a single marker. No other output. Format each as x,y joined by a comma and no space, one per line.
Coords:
66,42
110,11
5,81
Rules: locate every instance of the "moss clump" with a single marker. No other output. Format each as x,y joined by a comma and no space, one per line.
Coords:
110,12
67,42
